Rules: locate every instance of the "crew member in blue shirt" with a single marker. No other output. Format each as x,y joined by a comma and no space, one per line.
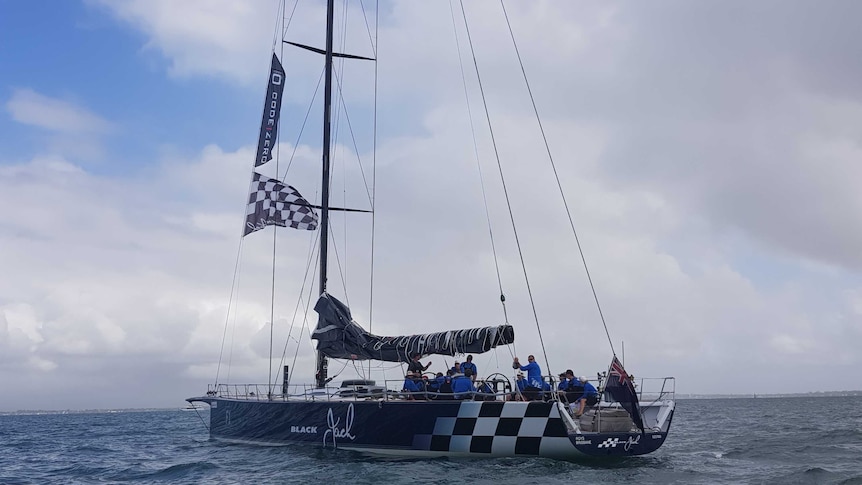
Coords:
564,383
410,386
470,365
520,385
462,386
534,372
456,369
575,389
590,397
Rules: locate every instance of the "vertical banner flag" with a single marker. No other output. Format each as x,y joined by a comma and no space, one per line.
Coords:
272,203
622,389
271,111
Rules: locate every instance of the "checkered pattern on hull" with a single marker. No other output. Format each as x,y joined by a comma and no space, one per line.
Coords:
498,428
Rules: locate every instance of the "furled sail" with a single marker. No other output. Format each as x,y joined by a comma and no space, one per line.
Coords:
272,203
271,112
339,337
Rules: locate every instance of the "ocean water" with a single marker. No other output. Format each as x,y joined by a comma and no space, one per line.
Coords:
782,441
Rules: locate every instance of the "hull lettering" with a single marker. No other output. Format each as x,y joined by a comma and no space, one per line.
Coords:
336,431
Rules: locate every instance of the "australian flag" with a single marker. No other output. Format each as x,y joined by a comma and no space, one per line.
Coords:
622,389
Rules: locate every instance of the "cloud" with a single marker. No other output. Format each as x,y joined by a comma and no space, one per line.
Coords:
707,152
59,116
73,130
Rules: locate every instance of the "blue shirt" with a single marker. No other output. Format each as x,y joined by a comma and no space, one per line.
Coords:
534,374
462,385
471,366
522,384
410,385
590,390
564,383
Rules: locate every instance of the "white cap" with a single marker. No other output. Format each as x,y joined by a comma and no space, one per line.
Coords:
582,378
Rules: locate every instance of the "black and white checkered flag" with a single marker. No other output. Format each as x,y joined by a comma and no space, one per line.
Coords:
272,203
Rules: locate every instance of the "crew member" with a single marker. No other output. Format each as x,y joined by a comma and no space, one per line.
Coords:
416,366
590,397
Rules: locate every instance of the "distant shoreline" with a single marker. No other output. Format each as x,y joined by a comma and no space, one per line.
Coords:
679,397
682,396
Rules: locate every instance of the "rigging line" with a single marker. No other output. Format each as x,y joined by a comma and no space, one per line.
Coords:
289,19
237,275
234,286
274,242
359,369
335,148
315,261
505,189
373,172
305,278
206,425
275,31
557,177
272,284
302,128
340,270
233,328
335,130
352,134
305,323
372,40
478,164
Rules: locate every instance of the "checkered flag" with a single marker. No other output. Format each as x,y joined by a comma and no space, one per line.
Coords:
272,203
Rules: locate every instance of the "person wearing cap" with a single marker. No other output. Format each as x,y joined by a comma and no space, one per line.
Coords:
520,386
564,383
590,396
416,366
575,389
470,365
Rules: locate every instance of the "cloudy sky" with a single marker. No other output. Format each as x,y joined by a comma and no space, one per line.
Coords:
709,153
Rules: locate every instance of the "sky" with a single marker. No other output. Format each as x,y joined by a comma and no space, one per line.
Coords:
708,152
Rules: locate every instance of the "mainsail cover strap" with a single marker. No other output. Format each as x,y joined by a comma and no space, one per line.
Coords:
339,337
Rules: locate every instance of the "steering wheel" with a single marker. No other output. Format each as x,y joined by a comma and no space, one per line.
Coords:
497,378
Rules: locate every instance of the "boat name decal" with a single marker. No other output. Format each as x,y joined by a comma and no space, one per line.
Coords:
304,429
627,444
336,432
580,440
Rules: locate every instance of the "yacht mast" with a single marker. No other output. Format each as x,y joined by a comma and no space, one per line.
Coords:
320,376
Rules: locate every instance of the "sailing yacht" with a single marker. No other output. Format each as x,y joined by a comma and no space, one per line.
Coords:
380,417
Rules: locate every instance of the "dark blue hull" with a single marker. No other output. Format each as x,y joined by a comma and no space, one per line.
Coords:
420,428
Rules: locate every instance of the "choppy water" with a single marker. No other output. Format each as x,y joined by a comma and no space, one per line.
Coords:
786,441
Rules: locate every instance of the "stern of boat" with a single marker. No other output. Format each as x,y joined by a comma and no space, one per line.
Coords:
607,429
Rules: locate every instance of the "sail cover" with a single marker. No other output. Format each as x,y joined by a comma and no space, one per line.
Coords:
272,203
339,337
271,111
